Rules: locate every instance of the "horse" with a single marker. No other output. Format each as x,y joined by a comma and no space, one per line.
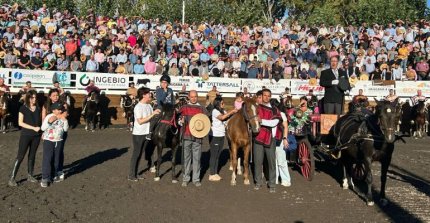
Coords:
127,104
166,135
66,98
419,119
361,139
240,137
4,110
91,109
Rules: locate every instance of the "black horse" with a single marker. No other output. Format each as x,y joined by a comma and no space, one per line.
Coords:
91,111
361,139
166,135
127,104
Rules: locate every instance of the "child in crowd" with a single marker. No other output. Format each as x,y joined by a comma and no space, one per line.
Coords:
54,125
238,101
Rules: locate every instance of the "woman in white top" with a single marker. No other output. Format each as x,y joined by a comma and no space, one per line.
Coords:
281,157
143,113
217,136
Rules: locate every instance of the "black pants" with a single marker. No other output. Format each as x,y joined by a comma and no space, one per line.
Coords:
50,150
139,144
270,152
333,108
217,144
29,143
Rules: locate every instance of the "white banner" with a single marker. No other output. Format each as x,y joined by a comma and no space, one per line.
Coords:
38,78
409,88
302,87
254,85
4,73
371,90
102,80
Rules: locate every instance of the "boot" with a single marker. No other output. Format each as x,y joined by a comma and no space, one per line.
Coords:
30,176
12,181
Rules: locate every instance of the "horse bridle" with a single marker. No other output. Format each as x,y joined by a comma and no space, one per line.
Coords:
171,122
245,114
127,106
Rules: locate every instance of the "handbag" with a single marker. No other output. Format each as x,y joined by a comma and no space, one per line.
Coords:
292,143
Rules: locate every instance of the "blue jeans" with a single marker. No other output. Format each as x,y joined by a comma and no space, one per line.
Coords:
282,165
403,64
51,150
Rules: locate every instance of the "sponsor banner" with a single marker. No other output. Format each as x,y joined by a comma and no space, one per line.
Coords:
64,78
409,88
370,89
302,87
254,85
102,80
192,83
38,78
4,73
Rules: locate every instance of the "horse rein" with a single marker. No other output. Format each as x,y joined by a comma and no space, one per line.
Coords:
171,122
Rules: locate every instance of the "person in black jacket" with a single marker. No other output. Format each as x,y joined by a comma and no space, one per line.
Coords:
335,82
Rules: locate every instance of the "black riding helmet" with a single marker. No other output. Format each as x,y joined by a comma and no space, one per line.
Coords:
165,78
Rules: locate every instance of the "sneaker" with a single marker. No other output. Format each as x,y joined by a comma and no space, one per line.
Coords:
130,178
98,113
213,178
44,183
197,184
184,184
257,187
218,177
31,179
272,190
12,183
140,177
58,179
286,184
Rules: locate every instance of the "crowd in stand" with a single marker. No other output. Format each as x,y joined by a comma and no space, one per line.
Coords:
49,39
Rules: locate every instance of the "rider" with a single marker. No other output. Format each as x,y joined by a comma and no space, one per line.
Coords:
58,87
89,89
132,93
360,102
183,94
419,97
3,87
391,97
164,95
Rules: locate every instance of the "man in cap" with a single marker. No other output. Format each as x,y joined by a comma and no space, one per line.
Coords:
191,144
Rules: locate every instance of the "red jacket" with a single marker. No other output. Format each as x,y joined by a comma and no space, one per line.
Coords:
188,111
264,137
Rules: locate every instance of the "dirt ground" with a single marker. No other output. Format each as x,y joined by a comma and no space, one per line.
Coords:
96,189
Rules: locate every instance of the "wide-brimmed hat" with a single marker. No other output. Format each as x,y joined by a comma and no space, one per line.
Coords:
16,52
364,77
214,57
353,80
83,58
51,29
313,81
200,125
2,54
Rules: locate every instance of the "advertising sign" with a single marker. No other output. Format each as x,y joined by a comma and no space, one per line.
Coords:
38,78
102,80
302,87
254,85
409,88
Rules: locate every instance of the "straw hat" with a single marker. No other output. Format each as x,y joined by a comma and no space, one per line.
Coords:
200,125
103,32
259,29
45,20
58,51
83,58
243,57
205,77
195,57
353,80
364,77
313,81
214,57
35,28
2,54
51,29
16,52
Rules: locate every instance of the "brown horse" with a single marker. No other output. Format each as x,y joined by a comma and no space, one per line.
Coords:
239,136
4,99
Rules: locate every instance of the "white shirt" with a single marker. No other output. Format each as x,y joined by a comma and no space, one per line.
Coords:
218,128
270,123
140,111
